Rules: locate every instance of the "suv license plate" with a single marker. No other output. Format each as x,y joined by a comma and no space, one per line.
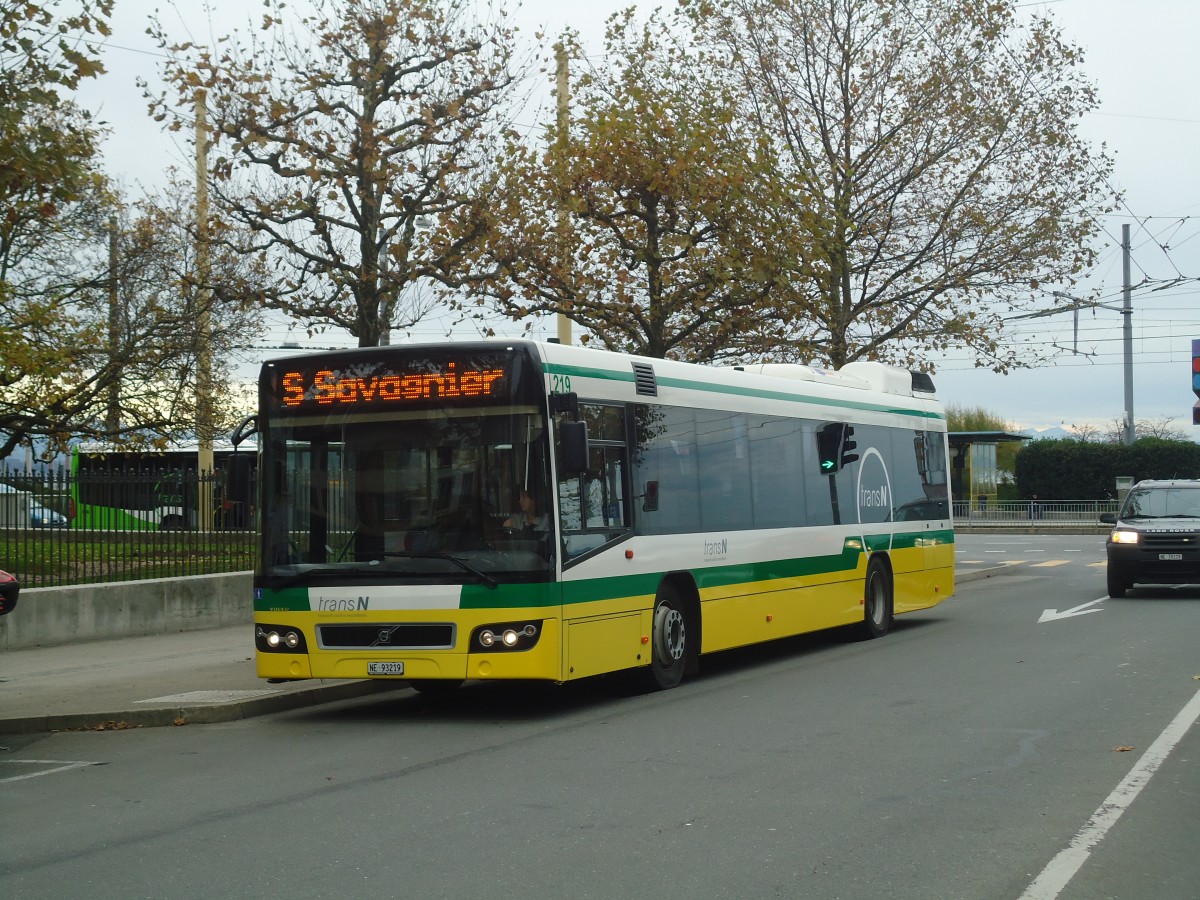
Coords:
1168,556
385,668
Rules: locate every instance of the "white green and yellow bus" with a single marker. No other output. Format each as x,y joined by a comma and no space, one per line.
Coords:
524,510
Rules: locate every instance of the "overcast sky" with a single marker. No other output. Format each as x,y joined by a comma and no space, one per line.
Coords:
1141,58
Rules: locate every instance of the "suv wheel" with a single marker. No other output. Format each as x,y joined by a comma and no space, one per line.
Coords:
1117,586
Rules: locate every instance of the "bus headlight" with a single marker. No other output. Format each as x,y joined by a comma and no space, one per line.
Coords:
506,636
279,639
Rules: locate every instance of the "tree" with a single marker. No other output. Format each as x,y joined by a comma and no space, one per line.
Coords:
42,55
91,349
51,193
962,418
933,146
100,328
167,308
1085,431
337,141
1163,428
634,221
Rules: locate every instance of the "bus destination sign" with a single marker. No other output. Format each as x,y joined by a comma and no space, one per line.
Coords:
381,386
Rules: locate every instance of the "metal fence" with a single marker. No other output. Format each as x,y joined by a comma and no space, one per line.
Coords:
100,527
1040,513
61,529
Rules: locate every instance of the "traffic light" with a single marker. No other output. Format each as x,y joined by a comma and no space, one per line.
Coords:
848,446
1196,381
835,447
829,447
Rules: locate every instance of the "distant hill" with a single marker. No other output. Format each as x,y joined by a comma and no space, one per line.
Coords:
1055,433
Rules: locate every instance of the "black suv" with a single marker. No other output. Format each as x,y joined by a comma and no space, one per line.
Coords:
1155,537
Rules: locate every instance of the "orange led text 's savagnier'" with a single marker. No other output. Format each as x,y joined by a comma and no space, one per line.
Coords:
329,388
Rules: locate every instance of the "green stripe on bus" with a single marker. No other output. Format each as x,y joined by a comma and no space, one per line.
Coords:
592,590
597,589
609,375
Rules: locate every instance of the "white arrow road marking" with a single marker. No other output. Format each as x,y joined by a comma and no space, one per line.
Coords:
1049,615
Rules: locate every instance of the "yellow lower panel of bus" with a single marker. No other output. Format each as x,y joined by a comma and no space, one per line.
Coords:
542,661
595,646
921,590
735,621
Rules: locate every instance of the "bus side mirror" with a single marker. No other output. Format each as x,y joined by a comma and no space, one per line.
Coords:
573,447
246,428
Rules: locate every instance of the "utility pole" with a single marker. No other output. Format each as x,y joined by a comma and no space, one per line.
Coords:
204,399
1127,312
112,419
564,123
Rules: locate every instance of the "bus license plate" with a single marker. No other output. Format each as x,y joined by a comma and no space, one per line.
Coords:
385,668
1166,556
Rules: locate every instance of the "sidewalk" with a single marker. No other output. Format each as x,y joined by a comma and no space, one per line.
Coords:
189,677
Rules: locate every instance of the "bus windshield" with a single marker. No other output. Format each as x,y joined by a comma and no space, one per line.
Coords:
438,495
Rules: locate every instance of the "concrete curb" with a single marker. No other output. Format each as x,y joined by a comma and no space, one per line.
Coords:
199,714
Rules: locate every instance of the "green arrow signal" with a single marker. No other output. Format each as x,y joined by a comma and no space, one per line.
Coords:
827,464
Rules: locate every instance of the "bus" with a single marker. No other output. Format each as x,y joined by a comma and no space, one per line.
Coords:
160,490
511,509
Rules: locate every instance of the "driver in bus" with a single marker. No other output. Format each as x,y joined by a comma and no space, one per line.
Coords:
530,519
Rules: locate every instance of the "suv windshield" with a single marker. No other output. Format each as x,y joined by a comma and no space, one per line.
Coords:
1162,502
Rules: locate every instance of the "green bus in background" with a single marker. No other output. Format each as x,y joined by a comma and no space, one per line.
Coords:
160,490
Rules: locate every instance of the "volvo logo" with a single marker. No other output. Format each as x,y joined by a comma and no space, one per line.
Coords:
385,635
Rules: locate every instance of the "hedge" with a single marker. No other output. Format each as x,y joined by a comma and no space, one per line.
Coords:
1079,470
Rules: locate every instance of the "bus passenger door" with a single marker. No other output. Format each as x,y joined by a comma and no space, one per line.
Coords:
593,504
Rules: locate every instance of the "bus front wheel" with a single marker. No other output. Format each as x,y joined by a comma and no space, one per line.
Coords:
878,602
668,642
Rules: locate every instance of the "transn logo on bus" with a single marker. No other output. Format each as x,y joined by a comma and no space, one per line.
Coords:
342,604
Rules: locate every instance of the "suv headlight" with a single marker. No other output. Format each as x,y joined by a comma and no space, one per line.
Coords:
1124,537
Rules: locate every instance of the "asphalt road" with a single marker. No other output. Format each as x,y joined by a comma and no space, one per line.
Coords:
966,755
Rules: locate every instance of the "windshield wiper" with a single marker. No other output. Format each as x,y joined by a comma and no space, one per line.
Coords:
297,577
438,554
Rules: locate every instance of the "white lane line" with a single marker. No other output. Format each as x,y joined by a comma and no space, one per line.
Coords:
60,765
1060,870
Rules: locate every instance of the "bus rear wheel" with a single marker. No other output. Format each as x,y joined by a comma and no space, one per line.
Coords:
878,602
668,642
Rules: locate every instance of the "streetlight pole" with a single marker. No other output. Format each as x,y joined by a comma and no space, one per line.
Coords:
204,398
